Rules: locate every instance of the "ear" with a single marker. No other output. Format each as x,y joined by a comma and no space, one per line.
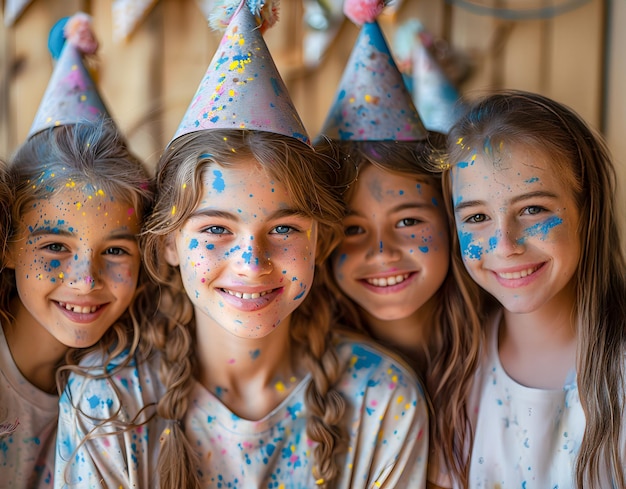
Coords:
171,251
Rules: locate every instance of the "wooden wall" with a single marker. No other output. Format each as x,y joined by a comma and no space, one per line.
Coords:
148,81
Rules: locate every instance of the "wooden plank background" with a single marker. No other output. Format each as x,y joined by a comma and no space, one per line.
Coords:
148,81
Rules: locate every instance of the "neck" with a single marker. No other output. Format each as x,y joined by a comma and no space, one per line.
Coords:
35,351
251,376
408,336
547,336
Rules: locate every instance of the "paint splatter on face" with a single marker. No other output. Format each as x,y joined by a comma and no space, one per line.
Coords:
246,256
76,262
517,226
395,253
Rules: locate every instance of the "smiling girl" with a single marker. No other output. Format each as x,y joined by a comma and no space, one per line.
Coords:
390,275
532,190
72,268
258,391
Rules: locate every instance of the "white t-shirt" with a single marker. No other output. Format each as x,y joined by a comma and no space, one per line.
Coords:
524,437
386,421
27,452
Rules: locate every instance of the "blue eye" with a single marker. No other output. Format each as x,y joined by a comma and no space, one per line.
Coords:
216,230
55,247
283,229
533,210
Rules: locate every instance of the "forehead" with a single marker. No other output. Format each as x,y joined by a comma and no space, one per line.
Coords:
86,206
241,184
385,184
509,169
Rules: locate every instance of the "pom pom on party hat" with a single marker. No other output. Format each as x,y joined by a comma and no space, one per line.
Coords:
71,95
372,102
242,88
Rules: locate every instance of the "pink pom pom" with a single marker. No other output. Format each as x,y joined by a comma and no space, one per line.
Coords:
269,14
79,32
363,11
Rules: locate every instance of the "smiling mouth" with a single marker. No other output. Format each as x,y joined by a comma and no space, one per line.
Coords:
79,309
517,275
388,281
245,295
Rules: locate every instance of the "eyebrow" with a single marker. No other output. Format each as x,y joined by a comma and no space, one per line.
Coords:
514,200
278,214
47,231
401,207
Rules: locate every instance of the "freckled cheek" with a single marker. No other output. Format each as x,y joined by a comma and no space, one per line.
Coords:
123,274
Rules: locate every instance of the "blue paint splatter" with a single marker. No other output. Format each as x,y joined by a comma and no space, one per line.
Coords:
423,249
364,358
193,244
210,246
55,263
542,229
468,248
218,182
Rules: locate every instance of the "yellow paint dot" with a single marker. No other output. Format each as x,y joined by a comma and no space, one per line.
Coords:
279,386
100,193
184,186
79,205
377,484
400,399
407,406
292,379
351,100
292,448
173,209
61,275
394,378
83,98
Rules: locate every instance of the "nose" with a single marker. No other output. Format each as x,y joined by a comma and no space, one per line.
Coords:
254,259
508,241
383,248
85,273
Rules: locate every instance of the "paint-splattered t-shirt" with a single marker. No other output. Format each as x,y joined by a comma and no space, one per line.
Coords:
126,460
524,437
30,417
386,421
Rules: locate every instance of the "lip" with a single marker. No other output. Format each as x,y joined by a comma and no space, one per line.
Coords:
406,279
519,276
250,300
96,310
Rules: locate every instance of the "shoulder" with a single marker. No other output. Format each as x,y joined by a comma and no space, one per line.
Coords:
369,369
126,381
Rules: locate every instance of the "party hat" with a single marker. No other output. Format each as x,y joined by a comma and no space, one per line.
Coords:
372,102
242,88
71,95
436,98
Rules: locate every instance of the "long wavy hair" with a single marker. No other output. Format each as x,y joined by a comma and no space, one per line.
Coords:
179,181
581,157
6,199
453,345
88,153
